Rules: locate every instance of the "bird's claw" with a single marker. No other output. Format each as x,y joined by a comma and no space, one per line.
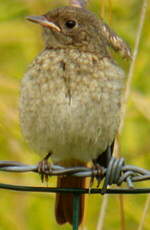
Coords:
44,169
98,175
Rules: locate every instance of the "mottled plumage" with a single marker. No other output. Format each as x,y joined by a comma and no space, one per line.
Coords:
70,104
71,95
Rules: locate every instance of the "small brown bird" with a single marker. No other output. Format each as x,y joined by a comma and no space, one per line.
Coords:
71,95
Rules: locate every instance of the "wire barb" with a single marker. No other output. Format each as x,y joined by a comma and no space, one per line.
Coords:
116,173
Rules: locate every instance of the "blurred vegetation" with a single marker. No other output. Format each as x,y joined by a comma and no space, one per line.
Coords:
20,42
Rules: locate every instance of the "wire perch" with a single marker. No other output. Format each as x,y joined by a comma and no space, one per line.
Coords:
116,173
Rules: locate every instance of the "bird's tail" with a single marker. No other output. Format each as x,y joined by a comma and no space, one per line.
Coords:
64,201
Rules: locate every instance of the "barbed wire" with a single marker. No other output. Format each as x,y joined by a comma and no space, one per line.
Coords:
116,173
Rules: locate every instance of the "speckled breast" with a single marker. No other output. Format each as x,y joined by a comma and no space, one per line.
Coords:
71,104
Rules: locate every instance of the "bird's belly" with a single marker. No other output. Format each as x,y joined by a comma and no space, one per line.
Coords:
70,128
75,124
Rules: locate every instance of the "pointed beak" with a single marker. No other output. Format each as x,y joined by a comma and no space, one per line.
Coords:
42,20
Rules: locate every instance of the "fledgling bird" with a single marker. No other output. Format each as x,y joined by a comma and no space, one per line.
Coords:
71,95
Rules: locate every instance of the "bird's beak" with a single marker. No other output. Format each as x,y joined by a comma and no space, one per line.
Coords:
42,20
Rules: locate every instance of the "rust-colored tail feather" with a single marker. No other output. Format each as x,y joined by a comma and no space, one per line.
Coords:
64,201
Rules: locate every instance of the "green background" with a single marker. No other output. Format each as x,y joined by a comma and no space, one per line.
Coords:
20,42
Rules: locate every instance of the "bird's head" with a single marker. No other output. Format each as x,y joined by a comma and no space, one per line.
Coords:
71,26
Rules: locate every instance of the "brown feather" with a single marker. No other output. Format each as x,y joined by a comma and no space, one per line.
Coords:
64,202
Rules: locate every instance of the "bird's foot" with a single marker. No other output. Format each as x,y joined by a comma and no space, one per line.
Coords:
98,175
44,168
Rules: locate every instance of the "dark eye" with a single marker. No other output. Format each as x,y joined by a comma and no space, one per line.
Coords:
70,24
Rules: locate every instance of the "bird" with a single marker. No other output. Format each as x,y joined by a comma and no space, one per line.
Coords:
72,94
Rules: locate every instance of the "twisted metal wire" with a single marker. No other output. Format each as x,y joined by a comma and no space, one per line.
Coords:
116,173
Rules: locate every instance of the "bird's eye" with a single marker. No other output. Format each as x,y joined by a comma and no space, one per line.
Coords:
70,24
